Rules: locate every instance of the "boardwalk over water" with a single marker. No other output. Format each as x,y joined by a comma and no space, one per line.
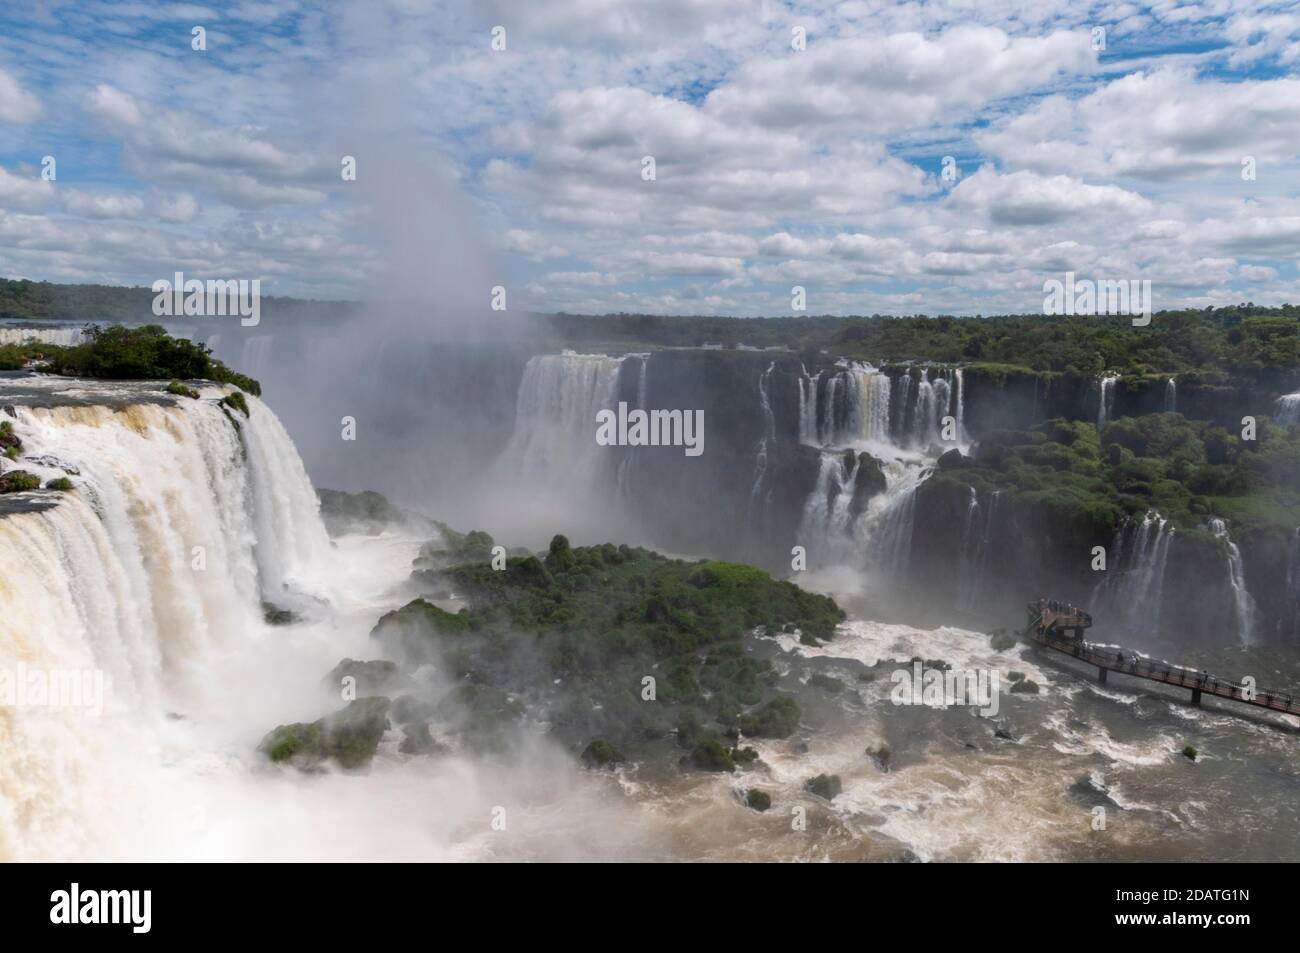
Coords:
1048,627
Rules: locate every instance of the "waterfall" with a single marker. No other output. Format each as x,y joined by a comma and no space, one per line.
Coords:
923,401
1171,396
889,529
64,336
826,520
554,439
1243,603
641,380
921,420
807,407
1106,400
977,543
769,431
1293,581
1288,409
627,464
844,407
255,356
961,405
151,571
867,414
1133,592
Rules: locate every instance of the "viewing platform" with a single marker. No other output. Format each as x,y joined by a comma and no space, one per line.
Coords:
1059,627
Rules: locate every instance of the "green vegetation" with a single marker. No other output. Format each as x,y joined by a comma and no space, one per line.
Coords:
826,786
62,484
826,683
180,390
1189,753
117,352
18,481
15,356
350,736
1000,640
1238,340
618,644
455,548
367,512
236,401
601,754
1186,469
758,800
22,300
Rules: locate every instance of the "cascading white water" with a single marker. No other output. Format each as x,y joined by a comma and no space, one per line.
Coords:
1288,409
921,422
858,407
769,432
150,571
255,356
628,462
554,440
1171,396
844,407
807,407
1133,593
888,528
1106,400
63,336
961,404
1243,602
826,516
922,403
867,414
977,543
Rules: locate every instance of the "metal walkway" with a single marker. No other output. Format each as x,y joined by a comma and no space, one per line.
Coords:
1047,628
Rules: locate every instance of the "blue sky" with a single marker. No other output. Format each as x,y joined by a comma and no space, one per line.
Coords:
775,167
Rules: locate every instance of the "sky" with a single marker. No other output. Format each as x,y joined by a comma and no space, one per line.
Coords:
892,158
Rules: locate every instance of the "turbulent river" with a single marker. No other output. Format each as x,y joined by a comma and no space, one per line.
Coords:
187,520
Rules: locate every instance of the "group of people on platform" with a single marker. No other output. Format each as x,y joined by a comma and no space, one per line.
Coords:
1063,608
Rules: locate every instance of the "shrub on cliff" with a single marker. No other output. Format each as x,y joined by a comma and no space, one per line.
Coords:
18,481
118,352
236,401
350,736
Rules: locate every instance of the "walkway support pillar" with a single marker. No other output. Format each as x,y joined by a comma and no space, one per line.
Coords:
1196,696
1101,676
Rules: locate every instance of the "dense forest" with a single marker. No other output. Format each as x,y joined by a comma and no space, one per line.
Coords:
1239,339
22,300
1209,345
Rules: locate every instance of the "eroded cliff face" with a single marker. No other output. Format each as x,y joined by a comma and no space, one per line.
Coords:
798,450
1011,399
1177,582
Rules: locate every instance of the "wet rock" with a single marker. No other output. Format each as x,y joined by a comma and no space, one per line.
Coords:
826,786
880,756
350,737
275,615
601,754
417,739
375,677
